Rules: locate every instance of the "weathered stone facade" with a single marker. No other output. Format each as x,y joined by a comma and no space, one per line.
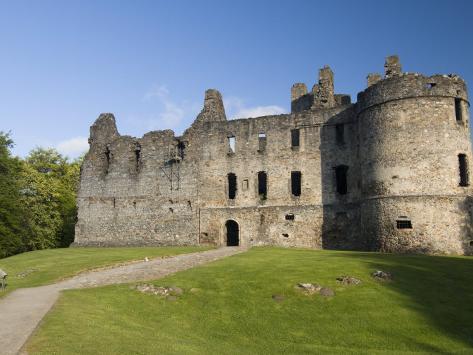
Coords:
388,173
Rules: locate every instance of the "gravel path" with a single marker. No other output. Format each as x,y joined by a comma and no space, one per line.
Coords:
22,310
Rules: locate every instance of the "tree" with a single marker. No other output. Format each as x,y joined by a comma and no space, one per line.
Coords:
52,184
12,217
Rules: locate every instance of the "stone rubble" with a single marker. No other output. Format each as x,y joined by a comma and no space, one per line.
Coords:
382,275
26,272
165,291
348,280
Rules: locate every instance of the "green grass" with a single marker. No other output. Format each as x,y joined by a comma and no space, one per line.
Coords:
55,264
427,308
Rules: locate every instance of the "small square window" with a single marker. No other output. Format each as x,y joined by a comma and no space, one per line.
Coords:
403,224
245,184
290,217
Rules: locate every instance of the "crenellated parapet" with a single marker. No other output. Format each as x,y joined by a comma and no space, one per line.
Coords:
398,85
322,95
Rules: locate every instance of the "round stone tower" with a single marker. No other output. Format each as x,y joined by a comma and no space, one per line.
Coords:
415,154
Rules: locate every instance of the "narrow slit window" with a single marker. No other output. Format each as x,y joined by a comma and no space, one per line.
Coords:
341,179
108,155
262,185
137,157
463,166
232,186
296,183
340,133
181,149
231,144
261,142
458,110
295,137
403,224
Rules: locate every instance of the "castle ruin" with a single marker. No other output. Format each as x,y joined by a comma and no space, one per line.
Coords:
389,173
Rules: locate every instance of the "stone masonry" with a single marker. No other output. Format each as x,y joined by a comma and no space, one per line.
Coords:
389,173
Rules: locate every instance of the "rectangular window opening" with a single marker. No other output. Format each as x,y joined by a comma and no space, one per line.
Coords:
458,110
296,183
430,85
245,184
295,137
262,185
232,186
261,142
341,179
231,144
289,217
403,224
340,133
463,166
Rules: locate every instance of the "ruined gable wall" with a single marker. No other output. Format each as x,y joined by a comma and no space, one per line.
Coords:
129,200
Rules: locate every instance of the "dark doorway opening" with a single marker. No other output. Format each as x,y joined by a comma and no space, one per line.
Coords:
233,233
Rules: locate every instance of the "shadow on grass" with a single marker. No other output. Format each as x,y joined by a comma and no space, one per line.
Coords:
439,288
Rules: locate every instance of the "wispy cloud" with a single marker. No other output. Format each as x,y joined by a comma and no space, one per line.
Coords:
173,113
236,108
73,147
164,112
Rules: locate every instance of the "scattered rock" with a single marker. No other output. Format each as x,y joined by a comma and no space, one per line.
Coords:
146,258
26,272
278,298
309,288
174,290
382,275
165,291
326,292
348,280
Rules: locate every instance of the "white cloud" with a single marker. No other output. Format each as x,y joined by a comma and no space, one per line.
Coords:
172,114
259,111
236,108
73,147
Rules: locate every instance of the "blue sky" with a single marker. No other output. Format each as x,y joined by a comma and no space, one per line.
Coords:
62,63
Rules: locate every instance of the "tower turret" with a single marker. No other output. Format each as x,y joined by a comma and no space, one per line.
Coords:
414,155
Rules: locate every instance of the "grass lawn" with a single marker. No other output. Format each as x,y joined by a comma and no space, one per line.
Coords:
47,266
427,308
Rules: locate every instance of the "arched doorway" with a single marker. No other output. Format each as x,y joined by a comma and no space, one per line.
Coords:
233,233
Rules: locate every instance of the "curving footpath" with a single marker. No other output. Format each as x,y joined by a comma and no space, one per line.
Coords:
22,310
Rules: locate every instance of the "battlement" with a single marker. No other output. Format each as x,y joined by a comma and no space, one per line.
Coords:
322,95
397,85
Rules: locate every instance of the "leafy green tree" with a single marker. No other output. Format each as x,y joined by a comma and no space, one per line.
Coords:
52,184
12,218
37,199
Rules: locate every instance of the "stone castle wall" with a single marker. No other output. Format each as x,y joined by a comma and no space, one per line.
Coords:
397,150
